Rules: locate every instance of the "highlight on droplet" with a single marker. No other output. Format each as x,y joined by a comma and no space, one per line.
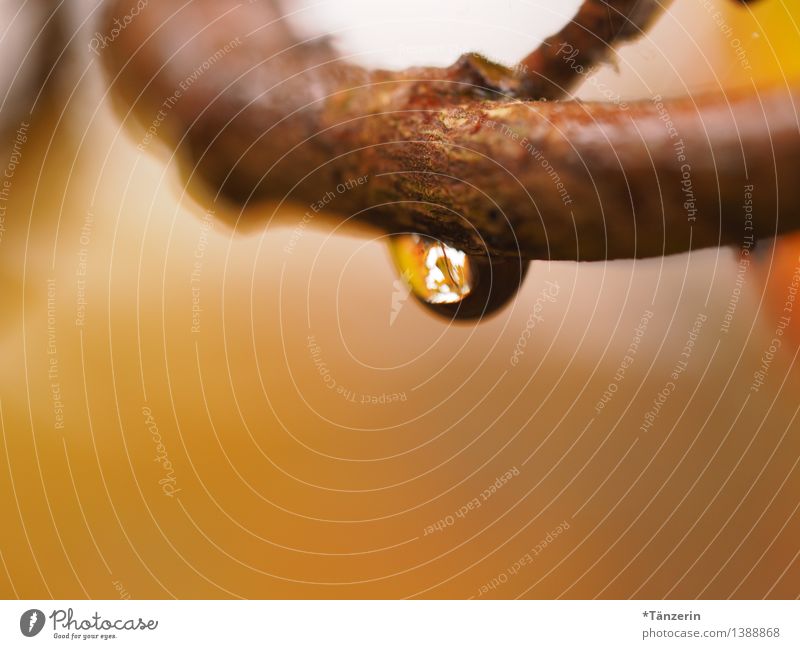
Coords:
451,282
435,272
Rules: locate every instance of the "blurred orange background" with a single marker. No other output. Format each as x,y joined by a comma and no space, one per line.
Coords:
170,434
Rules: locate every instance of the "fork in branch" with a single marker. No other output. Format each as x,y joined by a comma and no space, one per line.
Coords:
477,155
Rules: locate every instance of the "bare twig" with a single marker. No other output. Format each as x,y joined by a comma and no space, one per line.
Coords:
587,40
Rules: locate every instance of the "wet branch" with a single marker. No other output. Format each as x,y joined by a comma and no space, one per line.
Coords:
458,153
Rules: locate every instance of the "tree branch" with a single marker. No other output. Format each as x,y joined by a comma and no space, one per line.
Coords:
587,40
452,152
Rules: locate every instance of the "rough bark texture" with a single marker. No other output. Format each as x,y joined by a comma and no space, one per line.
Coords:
453,152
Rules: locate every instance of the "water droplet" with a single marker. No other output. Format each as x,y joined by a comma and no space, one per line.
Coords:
452,283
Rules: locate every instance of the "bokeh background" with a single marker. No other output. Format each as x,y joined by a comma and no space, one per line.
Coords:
154,450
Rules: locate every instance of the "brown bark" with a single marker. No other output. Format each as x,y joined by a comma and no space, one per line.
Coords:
587,40
452,152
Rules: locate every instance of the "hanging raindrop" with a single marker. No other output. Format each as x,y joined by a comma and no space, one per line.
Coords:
452,283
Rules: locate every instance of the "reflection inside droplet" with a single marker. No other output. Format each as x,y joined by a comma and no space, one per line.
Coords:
435,272
451,282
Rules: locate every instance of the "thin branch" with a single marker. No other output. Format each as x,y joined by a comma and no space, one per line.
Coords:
565,58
